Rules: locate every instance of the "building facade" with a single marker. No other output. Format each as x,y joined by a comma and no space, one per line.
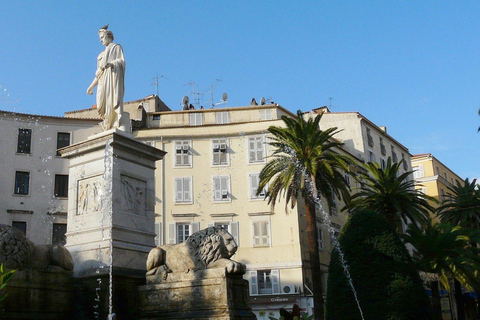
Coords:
432,177
208,177
34,179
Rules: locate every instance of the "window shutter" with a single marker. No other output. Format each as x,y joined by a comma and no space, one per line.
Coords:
421,172
256,234
259,149
178,189
158,233
251,149
194,227
275,277
234,230
171,233
186,190
253,185
265,233
217,193
253,282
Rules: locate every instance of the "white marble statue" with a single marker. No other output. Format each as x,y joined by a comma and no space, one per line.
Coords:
109,80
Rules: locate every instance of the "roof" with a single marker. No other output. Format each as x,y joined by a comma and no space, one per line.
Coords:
13,113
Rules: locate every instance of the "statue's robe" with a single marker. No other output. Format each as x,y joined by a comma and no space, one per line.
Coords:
111,85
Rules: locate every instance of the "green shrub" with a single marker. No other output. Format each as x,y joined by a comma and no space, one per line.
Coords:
5,276
386,282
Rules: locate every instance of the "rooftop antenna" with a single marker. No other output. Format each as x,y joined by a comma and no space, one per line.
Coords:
330,103
211,91
156,82
195,93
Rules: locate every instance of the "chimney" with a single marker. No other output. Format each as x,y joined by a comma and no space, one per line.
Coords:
383,128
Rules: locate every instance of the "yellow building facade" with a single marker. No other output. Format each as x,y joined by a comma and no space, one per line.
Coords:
432,177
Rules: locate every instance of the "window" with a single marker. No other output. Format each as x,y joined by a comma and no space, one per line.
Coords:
334,237
266,114
445,175
256,149
371,156
179,232
58,234
222,117
383,149
156,117
254,181
437,171
442,195
394,155
264,282
334,202
61,186
196,119
183,190
418,171
422,190
370,139
183,155
63,140
347,179
221,188
24,140
220,154
261,233
232,227
183,231
22,180
20,225
383,163
321,242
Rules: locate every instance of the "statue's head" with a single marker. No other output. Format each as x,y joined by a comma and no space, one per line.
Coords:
105,35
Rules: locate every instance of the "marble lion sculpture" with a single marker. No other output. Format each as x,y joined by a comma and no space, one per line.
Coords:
17,252
208,248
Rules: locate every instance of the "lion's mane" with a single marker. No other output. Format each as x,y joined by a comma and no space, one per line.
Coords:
208,245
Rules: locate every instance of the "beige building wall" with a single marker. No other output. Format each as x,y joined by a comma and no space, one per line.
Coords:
280,252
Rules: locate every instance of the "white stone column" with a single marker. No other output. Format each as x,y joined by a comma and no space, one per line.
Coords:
111,201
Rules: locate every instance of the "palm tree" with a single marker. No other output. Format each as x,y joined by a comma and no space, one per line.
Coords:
304,155
462,207
442,252
392,194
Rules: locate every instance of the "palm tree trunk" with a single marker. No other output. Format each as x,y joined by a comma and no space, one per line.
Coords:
459,301
312,249
436,302
477,292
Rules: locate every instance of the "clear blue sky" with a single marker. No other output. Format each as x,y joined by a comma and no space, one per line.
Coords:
413,66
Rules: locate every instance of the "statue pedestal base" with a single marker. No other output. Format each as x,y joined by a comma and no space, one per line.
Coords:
39,295
201,295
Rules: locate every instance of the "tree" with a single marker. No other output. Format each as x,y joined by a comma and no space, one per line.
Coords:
303,155
441,252
382,272
392,194
462,207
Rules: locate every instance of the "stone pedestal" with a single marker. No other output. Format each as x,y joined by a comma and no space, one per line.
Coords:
201,295
37,295
111,218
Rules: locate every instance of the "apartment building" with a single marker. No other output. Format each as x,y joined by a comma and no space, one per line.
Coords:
432,177
34,179
364,139
210,177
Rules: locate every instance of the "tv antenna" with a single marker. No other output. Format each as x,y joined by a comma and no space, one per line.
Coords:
211,90
330,103
195,92
155,83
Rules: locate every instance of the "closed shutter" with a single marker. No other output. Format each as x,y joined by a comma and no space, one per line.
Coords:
187,194
178,189
194,227
217,192
234,230
253,282
172,237
275,278
158,233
